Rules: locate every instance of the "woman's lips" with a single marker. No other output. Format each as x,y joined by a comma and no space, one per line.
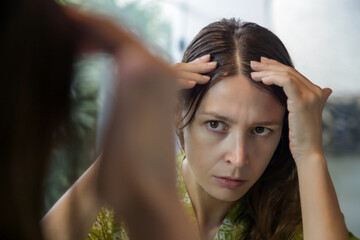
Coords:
229,183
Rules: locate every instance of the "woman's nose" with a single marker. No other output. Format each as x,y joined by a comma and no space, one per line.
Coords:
237,154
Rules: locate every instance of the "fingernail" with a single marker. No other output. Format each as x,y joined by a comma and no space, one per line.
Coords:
253,76
212,64
254,63
207,56
263,59
205,78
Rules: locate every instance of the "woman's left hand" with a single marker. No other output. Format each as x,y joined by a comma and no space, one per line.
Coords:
305,104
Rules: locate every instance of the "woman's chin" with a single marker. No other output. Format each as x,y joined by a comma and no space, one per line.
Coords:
228,195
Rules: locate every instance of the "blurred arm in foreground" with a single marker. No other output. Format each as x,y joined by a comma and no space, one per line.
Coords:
135,176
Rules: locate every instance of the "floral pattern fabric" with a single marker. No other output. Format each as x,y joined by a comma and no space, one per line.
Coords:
106,227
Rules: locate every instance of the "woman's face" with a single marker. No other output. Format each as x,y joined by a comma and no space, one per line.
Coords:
232,137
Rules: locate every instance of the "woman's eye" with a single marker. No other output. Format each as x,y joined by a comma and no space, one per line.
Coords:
217,126
262,131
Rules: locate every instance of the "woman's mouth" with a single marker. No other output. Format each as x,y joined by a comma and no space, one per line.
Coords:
229,182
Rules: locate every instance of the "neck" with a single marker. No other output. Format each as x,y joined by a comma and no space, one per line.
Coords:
209,211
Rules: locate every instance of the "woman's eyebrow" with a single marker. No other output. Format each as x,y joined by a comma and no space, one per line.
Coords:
228,119
217,116
268,123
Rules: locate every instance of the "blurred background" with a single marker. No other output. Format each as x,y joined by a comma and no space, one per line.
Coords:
322,36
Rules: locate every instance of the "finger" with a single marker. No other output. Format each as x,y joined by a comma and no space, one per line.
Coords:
290,84
205,58
198,78
205,67
326,92
273,65
185,84
307,82
268,60
260,76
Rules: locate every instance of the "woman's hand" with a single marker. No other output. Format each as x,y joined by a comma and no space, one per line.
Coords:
305,104
190,74
319,206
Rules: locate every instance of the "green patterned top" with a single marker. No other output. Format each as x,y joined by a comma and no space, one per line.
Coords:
232,227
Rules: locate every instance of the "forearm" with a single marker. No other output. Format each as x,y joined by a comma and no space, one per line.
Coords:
74,213
156,213
322,218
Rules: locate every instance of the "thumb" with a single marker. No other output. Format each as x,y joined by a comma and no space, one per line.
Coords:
326,92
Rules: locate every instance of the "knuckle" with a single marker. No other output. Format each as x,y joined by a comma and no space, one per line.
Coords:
287,78
178,65
263,73
197,76
204,66
318,90
288,75
312,99
289,69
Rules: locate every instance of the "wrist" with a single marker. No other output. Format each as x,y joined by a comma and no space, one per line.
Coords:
305,160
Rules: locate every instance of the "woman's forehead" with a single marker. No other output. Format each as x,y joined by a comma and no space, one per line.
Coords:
236,96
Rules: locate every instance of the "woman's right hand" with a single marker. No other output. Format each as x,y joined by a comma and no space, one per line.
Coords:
190,74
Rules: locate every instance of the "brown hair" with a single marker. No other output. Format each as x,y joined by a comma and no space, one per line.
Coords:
273,203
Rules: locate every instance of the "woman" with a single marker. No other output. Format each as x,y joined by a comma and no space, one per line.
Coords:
252,165
252,139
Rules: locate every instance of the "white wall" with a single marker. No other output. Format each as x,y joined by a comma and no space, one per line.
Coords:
323,37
